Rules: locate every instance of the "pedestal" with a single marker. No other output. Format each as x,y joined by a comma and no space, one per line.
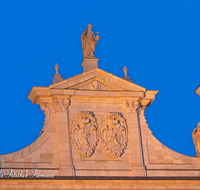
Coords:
89,63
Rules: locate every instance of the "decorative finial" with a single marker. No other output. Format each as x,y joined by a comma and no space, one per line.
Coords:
125,74
125,71
57,76
56,68
89,42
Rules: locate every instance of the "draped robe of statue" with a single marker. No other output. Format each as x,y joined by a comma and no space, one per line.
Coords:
89,41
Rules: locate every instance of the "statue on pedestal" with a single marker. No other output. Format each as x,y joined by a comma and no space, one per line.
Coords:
89,41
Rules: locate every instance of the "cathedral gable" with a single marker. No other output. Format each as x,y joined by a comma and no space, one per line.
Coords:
97,79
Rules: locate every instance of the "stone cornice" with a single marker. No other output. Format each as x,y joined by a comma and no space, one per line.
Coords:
66,182
45,94
39,92
121,178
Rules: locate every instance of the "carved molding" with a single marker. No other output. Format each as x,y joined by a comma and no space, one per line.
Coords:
133,106
62,104
84,133
113,133
196,139
44,107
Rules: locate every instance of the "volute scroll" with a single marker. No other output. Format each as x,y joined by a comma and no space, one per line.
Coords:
45,107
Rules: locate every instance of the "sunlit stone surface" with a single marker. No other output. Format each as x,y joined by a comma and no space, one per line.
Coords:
95,127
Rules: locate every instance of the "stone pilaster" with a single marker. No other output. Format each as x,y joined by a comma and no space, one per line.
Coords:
135,141
65,152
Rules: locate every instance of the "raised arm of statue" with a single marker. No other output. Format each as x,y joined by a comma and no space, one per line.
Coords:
89,41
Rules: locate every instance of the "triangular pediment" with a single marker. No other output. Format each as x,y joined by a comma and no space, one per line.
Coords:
97,79
96,84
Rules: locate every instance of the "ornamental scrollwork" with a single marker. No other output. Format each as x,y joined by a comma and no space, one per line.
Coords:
133,106
62,104
84,133
44,107
113,133
196,139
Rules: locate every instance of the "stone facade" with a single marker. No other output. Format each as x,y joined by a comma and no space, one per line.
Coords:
95,126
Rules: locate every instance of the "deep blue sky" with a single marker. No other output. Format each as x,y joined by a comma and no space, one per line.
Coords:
158,41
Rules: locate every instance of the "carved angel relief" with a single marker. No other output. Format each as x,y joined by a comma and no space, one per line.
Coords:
113,133
84,133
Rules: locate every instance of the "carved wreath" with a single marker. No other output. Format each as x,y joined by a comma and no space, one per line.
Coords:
113,133
84,133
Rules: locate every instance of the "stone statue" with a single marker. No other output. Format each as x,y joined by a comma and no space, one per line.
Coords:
89,41
196,139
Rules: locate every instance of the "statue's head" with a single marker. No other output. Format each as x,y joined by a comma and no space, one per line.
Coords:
89,27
